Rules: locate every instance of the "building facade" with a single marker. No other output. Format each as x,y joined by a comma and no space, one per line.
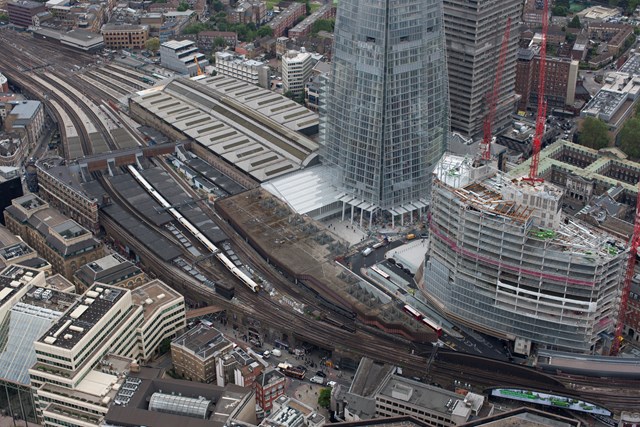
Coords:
296,70
474,33
517,269
560,83
287,17
27,118
93,345
194,354
10,187
181,56
247,70
60,240
125,36
385,119
269,386
21,12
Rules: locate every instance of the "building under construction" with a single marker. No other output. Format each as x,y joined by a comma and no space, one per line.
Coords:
506,261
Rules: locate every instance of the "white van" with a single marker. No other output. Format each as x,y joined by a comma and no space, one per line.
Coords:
266,354
276,352
317,380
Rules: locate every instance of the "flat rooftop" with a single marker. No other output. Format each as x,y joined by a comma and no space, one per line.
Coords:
82,316
16,250
12,280
109,270
70,230
153,295
29,202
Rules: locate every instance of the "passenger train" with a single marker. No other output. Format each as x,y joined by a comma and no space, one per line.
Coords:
250,283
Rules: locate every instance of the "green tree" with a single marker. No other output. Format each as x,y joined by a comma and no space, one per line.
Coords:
219,42
559,11
324,398
218,6
323,25
153,44
630,138
575,22
594,133
183,6
194,28
265,31
4,17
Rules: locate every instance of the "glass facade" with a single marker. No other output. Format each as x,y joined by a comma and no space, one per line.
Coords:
384,124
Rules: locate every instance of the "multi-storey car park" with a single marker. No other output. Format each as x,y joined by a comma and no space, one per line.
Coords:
506,261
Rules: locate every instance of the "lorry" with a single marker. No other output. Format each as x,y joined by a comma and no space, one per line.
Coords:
367,251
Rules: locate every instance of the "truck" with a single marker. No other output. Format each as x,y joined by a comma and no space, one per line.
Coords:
367,251
276,352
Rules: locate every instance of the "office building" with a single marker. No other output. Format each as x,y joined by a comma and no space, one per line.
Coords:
21,12
385,120
296,70
60,240
194,354
474,33
506,261
378,391
26,311
560,82
181,56
112,270
10,187
125,36
146,399
247,70
59,184
93,344
26,118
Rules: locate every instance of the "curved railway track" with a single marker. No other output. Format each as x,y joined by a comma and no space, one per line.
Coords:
617,395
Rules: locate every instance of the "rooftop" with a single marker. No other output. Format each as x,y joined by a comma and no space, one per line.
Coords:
204,342
496,193
60,283
153,295
13,279
97,302
17,250
109,270
29,202
26,110
155,402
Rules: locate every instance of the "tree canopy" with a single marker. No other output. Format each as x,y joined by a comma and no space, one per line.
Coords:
323,25
324,398
575,22
594,133
630,138
153,44
183,6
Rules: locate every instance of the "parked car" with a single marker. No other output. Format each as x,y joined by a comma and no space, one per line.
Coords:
321,374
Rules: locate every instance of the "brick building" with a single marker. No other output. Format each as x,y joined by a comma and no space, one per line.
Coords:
125,36
287,17
560,82
206,39
269,386
27,119
21,12
194,354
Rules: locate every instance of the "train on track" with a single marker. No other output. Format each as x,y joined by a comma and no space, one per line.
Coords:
213,249
429,323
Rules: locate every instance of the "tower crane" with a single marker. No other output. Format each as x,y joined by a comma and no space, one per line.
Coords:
492,99
628,277
195,58
542,104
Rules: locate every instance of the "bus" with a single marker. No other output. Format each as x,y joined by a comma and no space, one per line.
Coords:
294,373
412,311
432,325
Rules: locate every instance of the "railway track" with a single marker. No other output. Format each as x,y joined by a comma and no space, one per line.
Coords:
615,395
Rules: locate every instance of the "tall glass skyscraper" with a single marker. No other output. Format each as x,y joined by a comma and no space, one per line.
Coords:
385,114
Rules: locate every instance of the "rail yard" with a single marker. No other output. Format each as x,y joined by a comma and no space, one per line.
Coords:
87,96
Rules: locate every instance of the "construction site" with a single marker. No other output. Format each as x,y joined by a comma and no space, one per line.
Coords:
506,261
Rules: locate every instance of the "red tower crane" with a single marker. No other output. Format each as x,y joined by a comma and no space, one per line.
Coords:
542,104
492,99
628,277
